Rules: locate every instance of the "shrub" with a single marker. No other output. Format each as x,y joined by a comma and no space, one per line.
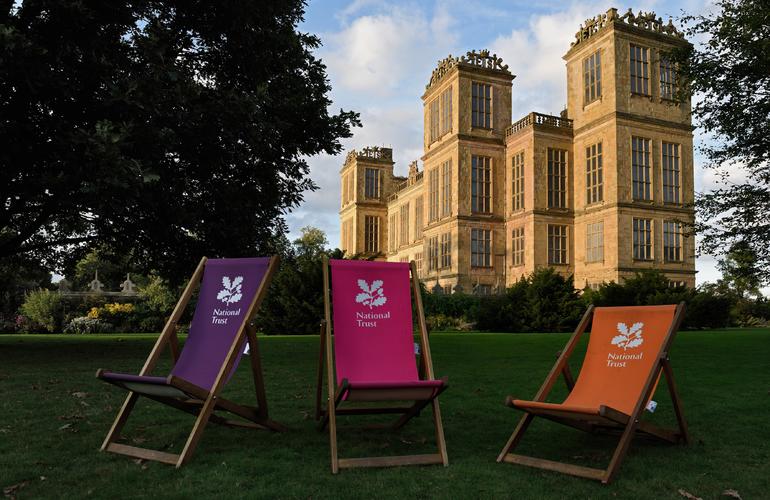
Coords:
44,308
441,322
87,324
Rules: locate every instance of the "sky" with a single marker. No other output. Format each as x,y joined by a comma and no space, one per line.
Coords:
379,56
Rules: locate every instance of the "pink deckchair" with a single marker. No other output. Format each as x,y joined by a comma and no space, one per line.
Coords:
231,291
374,353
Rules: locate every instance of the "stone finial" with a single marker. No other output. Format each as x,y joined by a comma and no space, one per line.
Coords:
413,170
128,287
437,289
459,288
481,59
96,286
645,20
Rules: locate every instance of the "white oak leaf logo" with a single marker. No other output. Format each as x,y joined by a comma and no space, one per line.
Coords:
629,337
371,295
231,290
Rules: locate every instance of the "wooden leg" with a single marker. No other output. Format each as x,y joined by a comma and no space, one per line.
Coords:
320,380
439,425
197,430
518,433
120,420
332,415
413,411
256,368
683,430
621,450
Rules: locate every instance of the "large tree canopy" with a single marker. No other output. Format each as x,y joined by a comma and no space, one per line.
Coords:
731,72
166,129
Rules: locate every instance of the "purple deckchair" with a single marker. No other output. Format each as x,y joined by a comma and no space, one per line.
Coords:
231,291
374,354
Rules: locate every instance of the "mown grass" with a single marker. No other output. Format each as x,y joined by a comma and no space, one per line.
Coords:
54,415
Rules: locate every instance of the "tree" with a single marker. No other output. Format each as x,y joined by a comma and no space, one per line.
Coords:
295,301
169,130
731,71
739,270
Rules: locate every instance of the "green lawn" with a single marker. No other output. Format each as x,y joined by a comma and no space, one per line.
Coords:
54,415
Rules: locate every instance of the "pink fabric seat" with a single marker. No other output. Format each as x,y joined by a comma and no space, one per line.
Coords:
373,332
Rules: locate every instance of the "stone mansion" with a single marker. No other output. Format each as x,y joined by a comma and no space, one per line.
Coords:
602,191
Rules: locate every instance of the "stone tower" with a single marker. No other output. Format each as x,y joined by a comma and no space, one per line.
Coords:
367,178
633,151
456,207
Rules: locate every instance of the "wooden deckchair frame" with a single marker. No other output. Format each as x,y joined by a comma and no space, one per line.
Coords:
202,403
608,419
336,393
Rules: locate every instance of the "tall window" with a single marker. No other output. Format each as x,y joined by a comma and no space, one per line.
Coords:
557,178
418,263
446,111
672,241
349,246
404,227
481,105
481,177
594,174
595,242
517,182
667,79
557,244
432,253
345,192
640,76
392,234
446,188
642,229
640,168
418,220
434,120
372,183
446,250
433,195
350,186
670,154
481,248
592,77
371,234
517,246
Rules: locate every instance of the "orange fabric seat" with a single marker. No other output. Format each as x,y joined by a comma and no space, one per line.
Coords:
623,347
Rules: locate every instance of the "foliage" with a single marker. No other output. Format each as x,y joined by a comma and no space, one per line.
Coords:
167,130
87,324
18,275
295,304
739,270
545,301
730,72
44,308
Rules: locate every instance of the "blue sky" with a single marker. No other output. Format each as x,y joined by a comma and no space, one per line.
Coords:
379,56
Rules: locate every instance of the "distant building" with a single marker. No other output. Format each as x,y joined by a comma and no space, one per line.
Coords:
599,192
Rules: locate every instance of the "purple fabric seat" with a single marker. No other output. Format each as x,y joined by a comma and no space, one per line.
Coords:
228,288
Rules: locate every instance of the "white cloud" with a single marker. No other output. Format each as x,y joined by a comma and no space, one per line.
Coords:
380,54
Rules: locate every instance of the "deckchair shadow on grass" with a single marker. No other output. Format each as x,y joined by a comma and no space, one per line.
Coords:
628,352
231,291
374,354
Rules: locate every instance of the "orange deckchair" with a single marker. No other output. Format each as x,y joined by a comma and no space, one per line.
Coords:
626,356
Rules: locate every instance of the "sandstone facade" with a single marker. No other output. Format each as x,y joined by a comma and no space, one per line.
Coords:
599,192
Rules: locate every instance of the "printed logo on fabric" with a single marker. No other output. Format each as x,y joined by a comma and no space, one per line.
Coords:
628,338
231,293
371,295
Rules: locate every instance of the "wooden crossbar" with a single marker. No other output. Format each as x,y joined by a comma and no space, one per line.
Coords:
427,459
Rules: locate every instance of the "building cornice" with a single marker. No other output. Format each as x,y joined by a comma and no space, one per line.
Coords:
632,117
